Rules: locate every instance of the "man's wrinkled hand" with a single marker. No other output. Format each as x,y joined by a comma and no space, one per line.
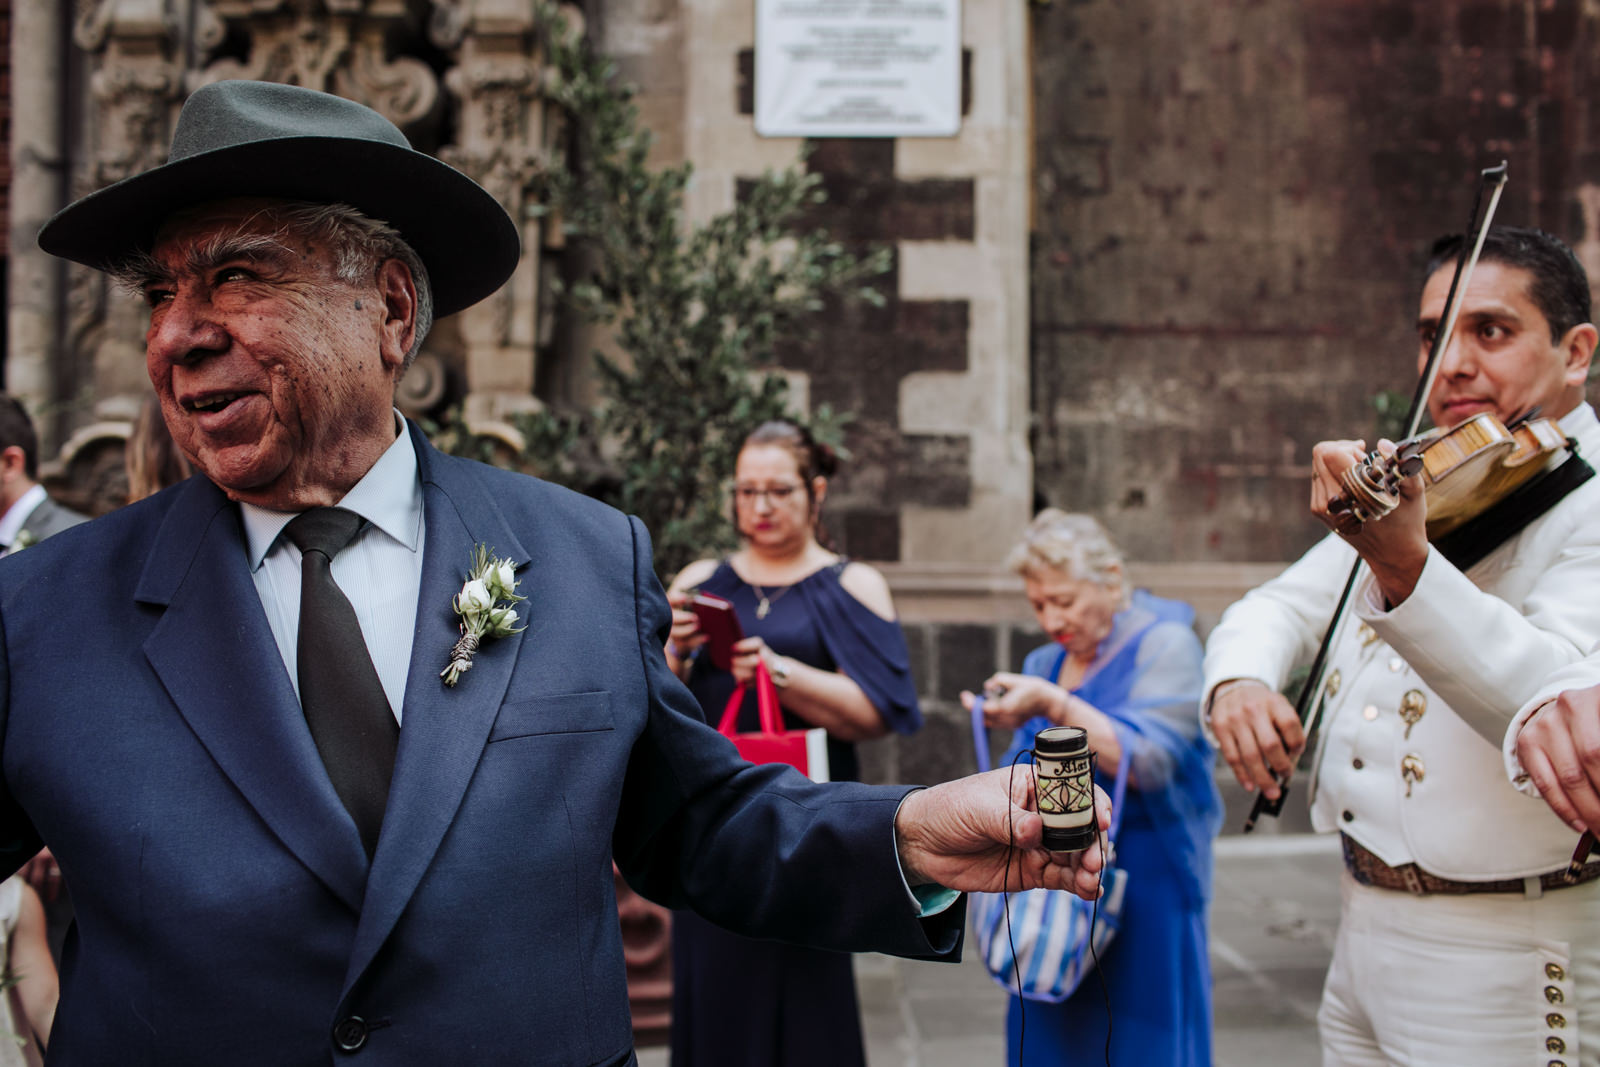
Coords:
956,834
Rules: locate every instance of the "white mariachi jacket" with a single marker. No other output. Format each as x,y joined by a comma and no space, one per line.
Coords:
1417,700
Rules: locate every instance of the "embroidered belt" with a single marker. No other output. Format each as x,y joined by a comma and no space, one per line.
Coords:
1368,869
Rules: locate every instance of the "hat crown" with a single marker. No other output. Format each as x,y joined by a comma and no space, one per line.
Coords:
264,139
229,113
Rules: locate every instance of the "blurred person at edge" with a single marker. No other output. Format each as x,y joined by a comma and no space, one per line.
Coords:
28,514
33,986
1461,938
825,627
1123,665
153,462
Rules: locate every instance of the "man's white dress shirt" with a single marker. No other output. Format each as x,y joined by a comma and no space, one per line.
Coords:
380,572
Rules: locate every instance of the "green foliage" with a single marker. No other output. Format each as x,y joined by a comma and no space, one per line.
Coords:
1392,407
696,313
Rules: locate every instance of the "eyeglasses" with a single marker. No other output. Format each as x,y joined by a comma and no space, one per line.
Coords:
775,494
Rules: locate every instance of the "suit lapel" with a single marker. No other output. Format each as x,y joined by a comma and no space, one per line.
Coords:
229,683
444,729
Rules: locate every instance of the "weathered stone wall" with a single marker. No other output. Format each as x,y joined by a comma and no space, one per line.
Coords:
1231,200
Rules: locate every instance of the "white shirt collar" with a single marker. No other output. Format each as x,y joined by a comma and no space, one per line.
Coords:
18,513
1580,417
389,496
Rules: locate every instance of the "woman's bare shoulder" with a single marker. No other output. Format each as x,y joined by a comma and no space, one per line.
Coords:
868,585
694,574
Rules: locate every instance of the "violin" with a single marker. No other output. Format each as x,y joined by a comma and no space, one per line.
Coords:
1465,470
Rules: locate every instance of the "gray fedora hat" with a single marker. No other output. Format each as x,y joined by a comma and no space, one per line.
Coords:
262,139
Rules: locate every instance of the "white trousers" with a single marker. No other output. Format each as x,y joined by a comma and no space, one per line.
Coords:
1488,980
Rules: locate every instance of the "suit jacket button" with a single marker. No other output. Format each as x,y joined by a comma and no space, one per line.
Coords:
350,1033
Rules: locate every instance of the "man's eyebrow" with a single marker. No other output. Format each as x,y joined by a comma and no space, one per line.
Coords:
1503,312
144,271
205,256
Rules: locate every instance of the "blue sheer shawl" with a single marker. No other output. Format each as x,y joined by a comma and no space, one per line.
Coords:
1147,678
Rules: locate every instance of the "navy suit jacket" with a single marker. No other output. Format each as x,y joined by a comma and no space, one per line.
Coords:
226,912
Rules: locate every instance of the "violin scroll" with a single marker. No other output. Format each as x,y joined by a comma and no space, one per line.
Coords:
1372,487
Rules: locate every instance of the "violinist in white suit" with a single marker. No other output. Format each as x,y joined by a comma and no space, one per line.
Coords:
1462,940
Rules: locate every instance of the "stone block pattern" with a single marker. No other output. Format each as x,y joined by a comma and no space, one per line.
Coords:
1233,201
857,354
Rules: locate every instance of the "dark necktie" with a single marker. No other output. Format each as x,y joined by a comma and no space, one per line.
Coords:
343,700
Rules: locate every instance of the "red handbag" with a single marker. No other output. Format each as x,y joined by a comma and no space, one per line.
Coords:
804,750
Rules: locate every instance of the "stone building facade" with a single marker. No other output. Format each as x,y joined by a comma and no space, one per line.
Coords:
1172,246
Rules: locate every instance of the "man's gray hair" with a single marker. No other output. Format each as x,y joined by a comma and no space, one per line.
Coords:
359,244
1074,545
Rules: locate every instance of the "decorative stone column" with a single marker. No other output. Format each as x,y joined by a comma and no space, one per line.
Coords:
38,164
501,142
134,95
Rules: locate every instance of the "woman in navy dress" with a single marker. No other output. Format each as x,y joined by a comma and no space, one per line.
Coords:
825,627
1125,666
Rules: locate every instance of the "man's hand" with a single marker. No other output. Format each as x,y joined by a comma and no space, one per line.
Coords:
955,835
1258,733
1560,749
1395,547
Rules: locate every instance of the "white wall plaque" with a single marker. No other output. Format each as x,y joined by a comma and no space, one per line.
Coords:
858,68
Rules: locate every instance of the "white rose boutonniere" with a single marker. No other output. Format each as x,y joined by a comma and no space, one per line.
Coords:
483,615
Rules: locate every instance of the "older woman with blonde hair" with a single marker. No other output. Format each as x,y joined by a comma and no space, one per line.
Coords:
1124,665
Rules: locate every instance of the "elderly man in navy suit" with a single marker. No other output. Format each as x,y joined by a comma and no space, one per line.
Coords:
290,839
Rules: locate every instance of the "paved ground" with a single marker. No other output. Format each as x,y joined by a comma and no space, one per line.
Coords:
1277,899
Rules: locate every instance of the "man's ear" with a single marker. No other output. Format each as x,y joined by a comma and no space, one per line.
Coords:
1578,348
398,291
13,462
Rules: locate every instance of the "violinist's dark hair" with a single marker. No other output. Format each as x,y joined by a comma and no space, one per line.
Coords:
1560,287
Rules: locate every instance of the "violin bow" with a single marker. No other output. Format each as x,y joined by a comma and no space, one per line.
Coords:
1308,708
1580,856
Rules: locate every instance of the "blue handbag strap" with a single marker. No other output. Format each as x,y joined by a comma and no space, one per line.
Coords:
980,744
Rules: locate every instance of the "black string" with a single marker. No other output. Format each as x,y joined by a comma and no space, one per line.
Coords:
1005,907
1005,898
1094,916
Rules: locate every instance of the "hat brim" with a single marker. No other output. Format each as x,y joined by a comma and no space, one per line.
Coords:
466,240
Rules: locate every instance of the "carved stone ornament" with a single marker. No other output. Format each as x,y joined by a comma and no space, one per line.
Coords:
336,46
136,88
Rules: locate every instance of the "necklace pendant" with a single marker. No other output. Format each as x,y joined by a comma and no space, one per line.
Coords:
763,608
